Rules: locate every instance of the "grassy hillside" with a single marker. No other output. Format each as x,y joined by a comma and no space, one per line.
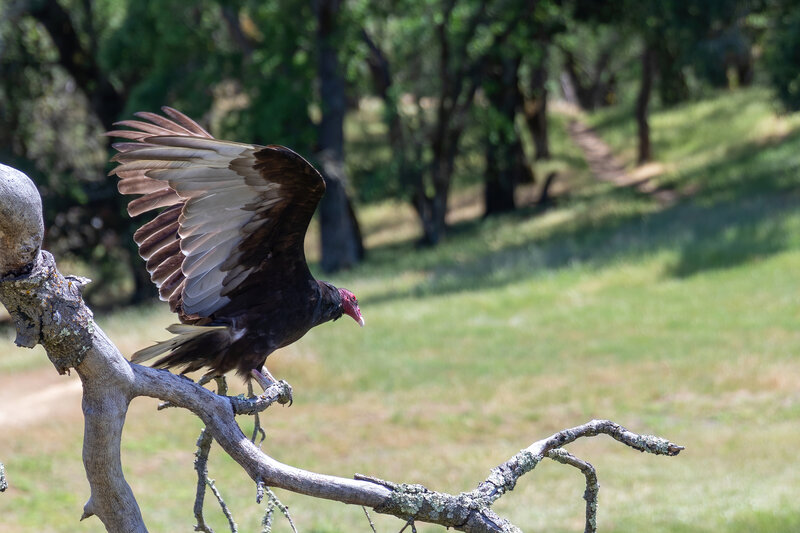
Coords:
680,321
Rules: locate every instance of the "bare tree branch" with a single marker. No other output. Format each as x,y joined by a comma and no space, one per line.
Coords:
225,510
3,482
369,519
592,486
201,467
47,309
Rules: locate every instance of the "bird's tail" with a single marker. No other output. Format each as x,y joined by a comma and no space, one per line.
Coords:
180,348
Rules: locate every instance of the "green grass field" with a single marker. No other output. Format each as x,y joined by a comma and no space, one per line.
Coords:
680,321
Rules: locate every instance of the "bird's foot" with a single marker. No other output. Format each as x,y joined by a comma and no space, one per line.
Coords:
267,380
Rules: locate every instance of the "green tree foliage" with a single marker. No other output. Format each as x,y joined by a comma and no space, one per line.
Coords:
430,96
459,83
48,129
782,56
70,69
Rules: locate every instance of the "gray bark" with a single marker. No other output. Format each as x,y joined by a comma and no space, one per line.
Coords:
47,309
21,225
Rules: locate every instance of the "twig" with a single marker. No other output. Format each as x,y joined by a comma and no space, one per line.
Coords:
504,477
369,519
592,486
223,506
410,522
257,429
201,467
260,491
378,481
266,522
272,503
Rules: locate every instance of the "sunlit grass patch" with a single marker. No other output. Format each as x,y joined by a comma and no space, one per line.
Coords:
680,321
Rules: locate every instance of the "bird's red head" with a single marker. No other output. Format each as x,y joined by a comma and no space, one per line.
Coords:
350,306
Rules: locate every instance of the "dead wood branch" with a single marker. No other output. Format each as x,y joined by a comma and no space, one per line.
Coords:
47,309
592,486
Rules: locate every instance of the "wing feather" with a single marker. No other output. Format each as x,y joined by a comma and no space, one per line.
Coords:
202,260
168,217
203,286
148,202
157,240
235,218
139,185
166,269
145,127
186,122
158,120
172,249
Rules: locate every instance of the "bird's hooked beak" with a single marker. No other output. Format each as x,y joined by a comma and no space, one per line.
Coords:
354,312
350,306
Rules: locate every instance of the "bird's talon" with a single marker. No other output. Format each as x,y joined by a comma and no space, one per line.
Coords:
286,394
285,397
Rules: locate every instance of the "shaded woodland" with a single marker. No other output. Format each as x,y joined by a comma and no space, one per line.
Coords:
462,90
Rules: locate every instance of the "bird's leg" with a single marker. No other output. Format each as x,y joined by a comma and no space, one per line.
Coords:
205,378
269,381
263,377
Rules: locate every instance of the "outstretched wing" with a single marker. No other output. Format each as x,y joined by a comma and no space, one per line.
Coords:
235,215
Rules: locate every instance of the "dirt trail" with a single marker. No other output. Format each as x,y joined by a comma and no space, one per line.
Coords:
606,167
27,398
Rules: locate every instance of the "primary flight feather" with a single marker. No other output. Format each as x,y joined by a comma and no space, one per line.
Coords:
226,250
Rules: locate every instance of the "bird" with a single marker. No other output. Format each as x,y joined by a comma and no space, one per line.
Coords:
226,249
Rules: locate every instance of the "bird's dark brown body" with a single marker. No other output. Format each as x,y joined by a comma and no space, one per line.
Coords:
245,338
226,251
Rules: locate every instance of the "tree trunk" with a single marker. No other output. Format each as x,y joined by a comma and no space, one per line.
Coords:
382,80
538,122
642,102
535,106
340,235
503,148
672,86
458,78
434,221
544,195
591,86
498,193
413,179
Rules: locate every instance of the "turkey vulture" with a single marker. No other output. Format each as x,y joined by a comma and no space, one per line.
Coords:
226,251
